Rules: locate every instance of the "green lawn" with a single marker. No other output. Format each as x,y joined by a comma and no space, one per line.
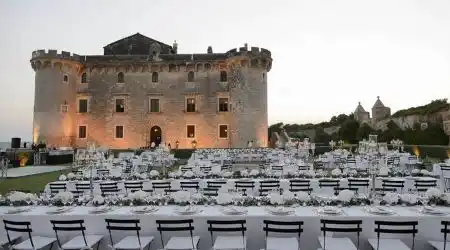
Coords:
34,183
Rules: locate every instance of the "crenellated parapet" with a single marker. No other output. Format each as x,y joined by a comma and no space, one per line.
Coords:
41,59
253,57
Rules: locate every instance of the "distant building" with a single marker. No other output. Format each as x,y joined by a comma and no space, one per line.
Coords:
379,111
361,115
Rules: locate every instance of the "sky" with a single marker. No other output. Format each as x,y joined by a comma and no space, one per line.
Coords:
327,55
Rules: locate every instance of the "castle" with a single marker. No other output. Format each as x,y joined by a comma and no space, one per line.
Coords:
379,112
142,91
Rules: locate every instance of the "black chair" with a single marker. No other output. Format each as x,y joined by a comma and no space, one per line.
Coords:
267,186
103,172
396,184
333,183
215,184
210,191
161,186
244,186
439,245
177,242
78,242
297,185
186,185
33,242
109,188
358,183
57,187
282,227
133,186
393,227
302,167
131,241
228,242
424,185
83,186
339,226
205,169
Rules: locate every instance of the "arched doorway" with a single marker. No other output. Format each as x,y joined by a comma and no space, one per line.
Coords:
155,135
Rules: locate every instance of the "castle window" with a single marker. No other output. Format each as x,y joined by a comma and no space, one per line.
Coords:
154,106
207,66
65,79
120,77
120,105
82,132
119,132
155,77
84,78
190,76
223,131
82,105
264,76
223,76
190,105
64,107
190,131
223,104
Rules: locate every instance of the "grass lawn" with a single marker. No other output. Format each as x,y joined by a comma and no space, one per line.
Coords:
34,183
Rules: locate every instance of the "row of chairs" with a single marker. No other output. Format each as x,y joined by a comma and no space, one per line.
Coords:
84,240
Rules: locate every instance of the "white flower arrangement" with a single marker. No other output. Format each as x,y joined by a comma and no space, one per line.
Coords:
276,199
425,172
227,174
302,196
346,195
336,172
446,197
384,171
188,174
144,176
154,173
311,173
16,197
288,196
181,196
433,193
63,198
175,174
254,172
71,176
410,199
62,178
138,196
98,200
415,171
244,173
352,172
224,199
391,198
216,171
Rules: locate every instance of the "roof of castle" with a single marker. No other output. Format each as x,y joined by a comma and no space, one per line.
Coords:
360,109
378,103
134,45
137,36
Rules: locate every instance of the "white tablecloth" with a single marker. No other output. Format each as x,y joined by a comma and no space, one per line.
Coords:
429,226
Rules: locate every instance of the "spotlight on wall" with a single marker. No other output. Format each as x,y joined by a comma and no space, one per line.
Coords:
194,144
177,143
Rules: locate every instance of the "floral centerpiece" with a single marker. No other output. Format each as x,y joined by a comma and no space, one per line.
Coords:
62,199
16,198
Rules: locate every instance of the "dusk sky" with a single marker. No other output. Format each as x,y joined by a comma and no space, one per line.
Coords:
327,55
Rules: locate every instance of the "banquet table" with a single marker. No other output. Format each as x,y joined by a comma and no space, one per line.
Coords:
428,228
284,184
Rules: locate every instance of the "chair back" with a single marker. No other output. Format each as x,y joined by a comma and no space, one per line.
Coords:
57,187
109,188
189,185
82,186
397,184
268,186
424,185
210,191
340,226
396,227
123,225
133,186
184,225
298,185
161,185
215,184
20,227
69,225
244,185
227,226
445,230
284,227
358,183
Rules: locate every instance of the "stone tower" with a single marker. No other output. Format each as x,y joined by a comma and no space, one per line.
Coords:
142,91
55,94
379,111
361,115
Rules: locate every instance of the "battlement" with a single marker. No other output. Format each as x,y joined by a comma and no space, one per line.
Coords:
51,53
253,51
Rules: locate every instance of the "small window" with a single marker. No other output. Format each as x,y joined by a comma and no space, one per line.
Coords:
264,76
120,77
82,106
65,79
64,108
190,105
155,77
223,104
82,132
190,130
190,76
223,76
120,105
119,131
154,105
223,131
84,78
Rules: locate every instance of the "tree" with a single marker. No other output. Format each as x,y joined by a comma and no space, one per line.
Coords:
348,131
364,131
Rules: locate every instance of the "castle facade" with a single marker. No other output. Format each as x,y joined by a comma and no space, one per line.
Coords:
142,91
379,112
